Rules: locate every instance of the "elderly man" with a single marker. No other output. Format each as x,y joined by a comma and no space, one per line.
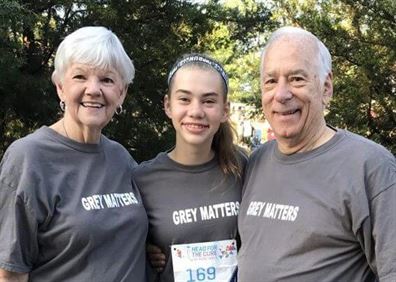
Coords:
319,203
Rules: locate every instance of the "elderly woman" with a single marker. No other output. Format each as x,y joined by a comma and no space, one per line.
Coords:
69,210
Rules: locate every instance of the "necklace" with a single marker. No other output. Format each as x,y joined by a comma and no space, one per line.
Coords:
64,128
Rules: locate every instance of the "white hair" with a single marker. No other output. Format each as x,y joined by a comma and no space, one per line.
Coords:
96,46
323,59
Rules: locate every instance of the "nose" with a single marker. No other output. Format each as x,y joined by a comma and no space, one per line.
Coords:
196,110
93,87
282,92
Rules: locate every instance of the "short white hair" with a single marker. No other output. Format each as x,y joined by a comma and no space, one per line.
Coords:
96,46
323,59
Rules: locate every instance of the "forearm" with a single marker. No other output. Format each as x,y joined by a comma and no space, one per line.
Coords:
7,276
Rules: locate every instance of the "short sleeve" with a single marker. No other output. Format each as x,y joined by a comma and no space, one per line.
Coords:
18,227
384,233
378,232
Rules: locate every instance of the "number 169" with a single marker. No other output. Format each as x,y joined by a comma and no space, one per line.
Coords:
201,274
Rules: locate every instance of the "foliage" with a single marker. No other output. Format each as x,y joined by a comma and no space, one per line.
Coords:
361,35
154,33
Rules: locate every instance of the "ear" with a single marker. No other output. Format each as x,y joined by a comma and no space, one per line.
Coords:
59,90
327,89
226,112
123,95
167,106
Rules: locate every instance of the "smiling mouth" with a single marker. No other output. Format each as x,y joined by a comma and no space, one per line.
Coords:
92,105
195,125
291,112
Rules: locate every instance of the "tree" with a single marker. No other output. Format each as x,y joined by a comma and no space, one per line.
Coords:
361,35
154,33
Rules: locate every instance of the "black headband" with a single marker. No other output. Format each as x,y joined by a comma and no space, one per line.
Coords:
198,58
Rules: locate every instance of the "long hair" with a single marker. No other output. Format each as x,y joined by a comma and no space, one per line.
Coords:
229,157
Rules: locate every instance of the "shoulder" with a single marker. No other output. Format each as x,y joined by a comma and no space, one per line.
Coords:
148,172
261,151
364,148
22,157
27,147
150,166
117,151
376,164
241,155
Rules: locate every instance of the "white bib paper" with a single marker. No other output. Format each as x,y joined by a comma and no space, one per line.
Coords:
208,261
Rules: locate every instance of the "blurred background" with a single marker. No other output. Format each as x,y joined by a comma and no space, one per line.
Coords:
360,34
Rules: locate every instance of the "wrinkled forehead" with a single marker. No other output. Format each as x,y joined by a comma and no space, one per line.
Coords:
89,67
293,50
302,45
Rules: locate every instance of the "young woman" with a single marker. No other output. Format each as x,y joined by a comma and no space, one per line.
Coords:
192,193
67,202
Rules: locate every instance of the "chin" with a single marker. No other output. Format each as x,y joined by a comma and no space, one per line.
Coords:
198,141
285,134
95,126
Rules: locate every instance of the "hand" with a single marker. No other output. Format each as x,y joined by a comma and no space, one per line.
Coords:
7,276
156,257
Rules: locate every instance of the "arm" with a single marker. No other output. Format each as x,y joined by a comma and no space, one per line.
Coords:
384,234
378,231
7,276
156,257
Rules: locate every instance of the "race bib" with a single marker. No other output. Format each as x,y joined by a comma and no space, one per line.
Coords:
208,261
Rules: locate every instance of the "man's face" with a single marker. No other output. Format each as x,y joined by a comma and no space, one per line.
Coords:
293,97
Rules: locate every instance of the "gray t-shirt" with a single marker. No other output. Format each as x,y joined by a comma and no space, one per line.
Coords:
70,211
187,204
324,215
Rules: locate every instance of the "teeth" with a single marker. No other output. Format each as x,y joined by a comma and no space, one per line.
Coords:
92,105
195,125
289,112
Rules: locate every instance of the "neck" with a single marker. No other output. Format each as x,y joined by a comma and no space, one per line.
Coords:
192,155
308,144
79,134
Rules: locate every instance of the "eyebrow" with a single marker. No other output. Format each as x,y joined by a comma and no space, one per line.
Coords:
293,72
298,71
77,69
208,94
101,72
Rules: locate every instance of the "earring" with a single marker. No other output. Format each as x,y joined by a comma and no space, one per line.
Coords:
62,105
118,110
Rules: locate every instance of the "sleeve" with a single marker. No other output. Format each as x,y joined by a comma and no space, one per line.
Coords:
378,231
18,227
383,220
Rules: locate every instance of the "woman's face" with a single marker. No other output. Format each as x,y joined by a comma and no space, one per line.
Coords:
196,105
91,96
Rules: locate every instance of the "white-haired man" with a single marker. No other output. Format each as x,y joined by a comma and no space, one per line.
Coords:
319,203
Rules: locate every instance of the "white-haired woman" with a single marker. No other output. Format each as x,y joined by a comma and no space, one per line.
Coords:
68,205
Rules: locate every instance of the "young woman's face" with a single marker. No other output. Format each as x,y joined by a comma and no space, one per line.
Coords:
91,96
196,105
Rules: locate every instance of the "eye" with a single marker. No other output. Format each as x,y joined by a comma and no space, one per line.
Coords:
182,99
108,80
209,101
269,81
79,77
297,80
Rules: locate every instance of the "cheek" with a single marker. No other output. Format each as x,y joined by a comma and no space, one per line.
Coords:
175,113
265,102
